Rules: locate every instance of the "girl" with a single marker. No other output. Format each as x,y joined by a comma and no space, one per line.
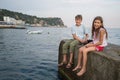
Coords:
99,35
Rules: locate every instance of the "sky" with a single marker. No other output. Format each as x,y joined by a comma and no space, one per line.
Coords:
68,9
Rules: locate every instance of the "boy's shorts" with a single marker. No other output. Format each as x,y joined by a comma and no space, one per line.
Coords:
99,48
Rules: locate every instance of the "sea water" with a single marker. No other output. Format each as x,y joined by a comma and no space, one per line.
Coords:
35,56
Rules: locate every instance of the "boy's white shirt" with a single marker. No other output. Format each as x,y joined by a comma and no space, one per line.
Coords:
80,31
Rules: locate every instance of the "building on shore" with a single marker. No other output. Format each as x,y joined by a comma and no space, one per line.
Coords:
10,20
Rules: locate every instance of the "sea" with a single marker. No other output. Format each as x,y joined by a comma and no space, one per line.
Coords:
26,56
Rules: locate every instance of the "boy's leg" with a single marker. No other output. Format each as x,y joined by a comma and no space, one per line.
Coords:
85,51
64,61
72,47
65,51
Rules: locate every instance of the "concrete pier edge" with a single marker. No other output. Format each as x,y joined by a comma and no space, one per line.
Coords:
100,66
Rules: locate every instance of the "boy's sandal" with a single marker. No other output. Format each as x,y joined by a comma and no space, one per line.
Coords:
61,64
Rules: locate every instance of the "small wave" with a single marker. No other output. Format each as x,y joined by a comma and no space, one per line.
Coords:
40,67
12,76
1,42
27,70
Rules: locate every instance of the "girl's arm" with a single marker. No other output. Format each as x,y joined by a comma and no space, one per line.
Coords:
89,45
102,32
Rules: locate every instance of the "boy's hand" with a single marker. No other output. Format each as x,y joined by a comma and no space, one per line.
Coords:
83,41
86,35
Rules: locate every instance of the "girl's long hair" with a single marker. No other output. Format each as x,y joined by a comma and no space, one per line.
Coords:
97,30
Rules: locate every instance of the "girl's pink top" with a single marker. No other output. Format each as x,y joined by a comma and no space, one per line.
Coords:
96,39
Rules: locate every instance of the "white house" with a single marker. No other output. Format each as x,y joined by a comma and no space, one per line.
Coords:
11,20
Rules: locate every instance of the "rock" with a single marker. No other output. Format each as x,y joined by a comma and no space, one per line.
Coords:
100,66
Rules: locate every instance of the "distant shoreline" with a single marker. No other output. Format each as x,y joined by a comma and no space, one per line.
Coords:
10,27
51,26
23,27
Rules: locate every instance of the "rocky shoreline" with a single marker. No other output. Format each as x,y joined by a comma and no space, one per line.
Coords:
10,27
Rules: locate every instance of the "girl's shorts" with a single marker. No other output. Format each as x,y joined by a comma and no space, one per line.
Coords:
99,48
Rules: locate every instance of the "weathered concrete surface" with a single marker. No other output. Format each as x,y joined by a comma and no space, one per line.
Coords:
101,65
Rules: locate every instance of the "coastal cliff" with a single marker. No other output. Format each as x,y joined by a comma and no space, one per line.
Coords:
32,20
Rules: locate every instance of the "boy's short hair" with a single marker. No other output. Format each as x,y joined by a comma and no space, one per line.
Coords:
78,17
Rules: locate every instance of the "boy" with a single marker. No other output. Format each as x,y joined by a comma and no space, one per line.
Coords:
79,37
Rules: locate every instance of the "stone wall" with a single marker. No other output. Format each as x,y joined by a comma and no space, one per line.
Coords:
100,66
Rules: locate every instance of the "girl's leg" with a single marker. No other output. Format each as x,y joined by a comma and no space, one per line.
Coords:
85,51
79,59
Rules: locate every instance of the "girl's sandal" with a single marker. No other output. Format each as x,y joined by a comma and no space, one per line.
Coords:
80,73
77,68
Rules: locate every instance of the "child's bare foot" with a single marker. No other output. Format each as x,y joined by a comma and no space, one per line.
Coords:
69,65
62,63
81,72
76,68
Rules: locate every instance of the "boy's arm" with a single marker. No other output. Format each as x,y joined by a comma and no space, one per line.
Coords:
86,37
85,33
77,38
74,34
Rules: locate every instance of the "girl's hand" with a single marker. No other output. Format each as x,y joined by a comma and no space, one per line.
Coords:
89,45
86,45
